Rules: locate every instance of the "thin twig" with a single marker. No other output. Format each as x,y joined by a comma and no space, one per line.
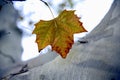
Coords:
48,7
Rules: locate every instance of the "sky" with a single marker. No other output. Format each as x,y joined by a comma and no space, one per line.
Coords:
90,11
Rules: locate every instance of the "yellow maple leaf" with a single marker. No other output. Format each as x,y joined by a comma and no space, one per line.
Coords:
58,32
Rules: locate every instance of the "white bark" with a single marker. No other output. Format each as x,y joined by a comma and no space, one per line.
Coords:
10,37
96,60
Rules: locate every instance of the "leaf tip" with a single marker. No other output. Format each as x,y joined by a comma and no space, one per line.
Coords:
39,50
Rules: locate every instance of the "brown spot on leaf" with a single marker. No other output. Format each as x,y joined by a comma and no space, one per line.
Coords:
59,31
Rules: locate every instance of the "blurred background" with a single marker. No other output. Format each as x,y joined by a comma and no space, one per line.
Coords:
17,19
31,11
28,12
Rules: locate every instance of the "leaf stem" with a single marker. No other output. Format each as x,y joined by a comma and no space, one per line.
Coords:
48,7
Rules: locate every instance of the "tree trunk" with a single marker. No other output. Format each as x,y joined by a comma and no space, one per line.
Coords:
10,36
96,60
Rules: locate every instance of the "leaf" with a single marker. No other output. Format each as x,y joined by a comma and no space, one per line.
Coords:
58,32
